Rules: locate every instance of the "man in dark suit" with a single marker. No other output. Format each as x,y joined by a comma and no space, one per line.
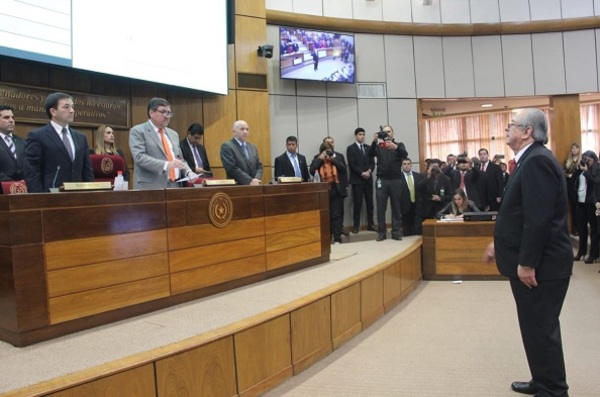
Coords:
12,156
465,177
533,249
411,223
240,158
361,179
193,151
291,163
55,153
495,181
505,174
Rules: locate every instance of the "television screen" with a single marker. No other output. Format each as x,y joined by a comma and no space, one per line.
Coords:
306,54
181,43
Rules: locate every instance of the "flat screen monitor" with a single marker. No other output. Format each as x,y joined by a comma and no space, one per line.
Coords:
180,42
317,55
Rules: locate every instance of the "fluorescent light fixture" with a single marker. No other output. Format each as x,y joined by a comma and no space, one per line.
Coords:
486,105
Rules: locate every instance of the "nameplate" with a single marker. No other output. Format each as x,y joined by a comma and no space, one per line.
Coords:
289,179
78,186
218,182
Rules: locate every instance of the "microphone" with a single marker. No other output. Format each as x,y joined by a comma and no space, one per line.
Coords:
55,176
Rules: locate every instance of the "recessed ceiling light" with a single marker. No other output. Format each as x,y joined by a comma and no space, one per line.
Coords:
486,105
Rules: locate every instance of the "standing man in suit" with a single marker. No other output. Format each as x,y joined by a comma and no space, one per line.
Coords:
495,181
157,160
56,153
411,223
291,163
465,177
12,156
194,152
532,247
240,158
361,179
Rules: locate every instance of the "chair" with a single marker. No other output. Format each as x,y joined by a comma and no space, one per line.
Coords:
14,187
105,167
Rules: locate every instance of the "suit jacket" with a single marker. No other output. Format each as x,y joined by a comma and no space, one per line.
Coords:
359,163
340,164
149,157
495,181
11,169
426,188
284,166
188,156
531,227
237,166
405,204
471,187
47,158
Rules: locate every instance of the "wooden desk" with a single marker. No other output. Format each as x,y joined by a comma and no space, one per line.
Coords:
454,250
71,261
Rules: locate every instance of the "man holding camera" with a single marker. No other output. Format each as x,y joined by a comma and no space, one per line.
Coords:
389,155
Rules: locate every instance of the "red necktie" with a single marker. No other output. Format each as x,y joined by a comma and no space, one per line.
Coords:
483,167
168,151
462,180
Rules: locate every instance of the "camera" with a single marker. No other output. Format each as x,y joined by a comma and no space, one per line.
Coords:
583,162
265,50
329,152
383,135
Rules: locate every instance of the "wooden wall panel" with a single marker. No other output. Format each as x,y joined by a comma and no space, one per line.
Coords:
303,202
406,275
64,254
263,356
345,314
203,256
253,106
311,333
137,382
565,120
371,299
192,236
391,286
293,238
88,277
69,307
255,8
296,254
219,114
250,33
213,275
30,286
453,258
208,370
299,220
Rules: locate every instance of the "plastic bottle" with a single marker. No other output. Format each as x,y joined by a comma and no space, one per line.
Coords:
120,182
317,177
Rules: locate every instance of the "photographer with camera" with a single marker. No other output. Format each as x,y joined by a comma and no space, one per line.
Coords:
585,176
331,167
466,177
389,155
434,191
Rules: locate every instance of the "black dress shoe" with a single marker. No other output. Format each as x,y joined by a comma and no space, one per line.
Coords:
345,233
396,237
355,230
578,257
371,228
589,259
381,237
524,387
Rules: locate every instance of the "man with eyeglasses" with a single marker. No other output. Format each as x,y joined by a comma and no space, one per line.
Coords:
56,153
157,159
533,249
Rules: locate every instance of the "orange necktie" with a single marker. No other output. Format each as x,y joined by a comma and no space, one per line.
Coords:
168,151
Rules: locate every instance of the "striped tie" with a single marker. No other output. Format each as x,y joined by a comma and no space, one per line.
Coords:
11,146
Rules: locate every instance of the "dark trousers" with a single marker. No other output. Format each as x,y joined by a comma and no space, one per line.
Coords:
358,192
409,226
336,214
389,188
538,310
586,214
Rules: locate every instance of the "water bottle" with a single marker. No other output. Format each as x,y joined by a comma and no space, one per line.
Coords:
317,177
120,182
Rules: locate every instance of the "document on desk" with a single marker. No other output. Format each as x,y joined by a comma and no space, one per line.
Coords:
451,220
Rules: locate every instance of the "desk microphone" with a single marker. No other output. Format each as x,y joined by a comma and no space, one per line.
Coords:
55,176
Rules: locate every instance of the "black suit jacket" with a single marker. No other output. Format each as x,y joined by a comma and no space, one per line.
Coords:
340,164
471,186
284,167
405,192
359,163
531,227
495,181
11,169
46,158
188,156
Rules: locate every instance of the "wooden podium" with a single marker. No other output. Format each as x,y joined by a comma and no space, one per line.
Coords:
71,261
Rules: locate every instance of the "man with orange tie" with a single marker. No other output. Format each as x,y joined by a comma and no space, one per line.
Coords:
157,160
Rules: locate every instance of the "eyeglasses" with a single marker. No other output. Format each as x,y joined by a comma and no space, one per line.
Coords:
165,113
515,125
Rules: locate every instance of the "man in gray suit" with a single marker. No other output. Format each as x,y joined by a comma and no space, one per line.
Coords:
157,160
240,158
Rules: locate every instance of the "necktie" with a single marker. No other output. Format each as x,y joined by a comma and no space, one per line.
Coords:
197,157
362,148
482,167
11,146
462,180
411,187
67,143
168,151
296,166
245,150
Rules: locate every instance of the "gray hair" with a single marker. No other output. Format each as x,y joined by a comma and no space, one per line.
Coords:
538,122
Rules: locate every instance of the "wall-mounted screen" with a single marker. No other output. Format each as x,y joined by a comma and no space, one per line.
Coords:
307,54
180,42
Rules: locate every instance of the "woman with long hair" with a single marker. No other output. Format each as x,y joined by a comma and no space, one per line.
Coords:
457,207
570,167
104,139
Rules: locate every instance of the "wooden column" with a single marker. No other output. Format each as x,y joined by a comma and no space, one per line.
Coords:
565,124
